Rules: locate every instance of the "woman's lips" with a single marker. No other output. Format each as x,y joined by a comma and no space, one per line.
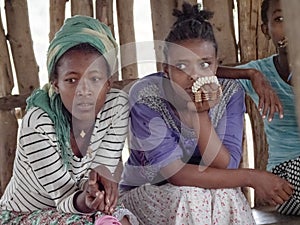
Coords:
85,106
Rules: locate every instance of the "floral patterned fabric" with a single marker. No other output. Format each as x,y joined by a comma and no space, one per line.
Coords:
53,217
173,205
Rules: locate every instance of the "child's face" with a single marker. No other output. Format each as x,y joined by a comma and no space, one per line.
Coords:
275,27
188,60
82,83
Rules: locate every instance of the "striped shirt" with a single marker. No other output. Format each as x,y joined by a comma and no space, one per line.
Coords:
41,180
282,134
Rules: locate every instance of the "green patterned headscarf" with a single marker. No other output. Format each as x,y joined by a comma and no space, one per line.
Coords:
76,30
82,29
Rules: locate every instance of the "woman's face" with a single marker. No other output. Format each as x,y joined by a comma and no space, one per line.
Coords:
82,83
188,60
274,29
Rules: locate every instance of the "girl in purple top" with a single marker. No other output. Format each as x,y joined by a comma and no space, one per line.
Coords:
186,138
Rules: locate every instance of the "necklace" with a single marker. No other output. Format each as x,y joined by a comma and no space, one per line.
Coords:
82,134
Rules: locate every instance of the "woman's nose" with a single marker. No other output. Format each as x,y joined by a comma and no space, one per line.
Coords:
194,76
83,88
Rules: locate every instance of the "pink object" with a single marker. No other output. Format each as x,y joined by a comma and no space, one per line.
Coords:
107,220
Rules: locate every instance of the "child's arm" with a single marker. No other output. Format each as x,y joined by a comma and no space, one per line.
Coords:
269,102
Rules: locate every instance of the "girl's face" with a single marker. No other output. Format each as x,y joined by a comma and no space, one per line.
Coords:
188,60
82,83
274,29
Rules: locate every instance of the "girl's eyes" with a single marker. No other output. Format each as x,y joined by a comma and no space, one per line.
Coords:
184,67
181,66
96,78
279,19
71,80
204,65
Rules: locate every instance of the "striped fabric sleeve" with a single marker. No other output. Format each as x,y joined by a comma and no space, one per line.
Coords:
110,149
40,148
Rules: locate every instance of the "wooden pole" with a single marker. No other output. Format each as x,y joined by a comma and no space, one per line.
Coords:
104,13
127,39
292,20
223,29
8,121
57,16
162,19
82,7
20,40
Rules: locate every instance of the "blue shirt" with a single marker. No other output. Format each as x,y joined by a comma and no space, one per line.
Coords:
282,134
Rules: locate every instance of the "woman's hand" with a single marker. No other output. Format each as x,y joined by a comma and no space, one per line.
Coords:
269,102
101,191
271,188
107,183
211,90
94,197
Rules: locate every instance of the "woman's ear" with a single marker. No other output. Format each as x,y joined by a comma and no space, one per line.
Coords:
110,81
265,30
166,69
54,84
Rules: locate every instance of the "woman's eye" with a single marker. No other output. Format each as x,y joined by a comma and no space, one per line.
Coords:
279,19
181,66
96,79
204,65
71,80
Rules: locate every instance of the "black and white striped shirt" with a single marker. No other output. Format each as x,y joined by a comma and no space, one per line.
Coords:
40,178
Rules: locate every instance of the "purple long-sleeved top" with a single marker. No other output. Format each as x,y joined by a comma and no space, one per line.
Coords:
157,136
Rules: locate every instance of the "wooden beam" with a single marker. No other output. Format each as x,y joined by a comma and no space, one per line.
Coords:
10,102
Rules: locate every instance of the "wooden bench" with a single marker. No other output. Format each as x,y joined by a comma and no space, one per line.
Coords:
268,215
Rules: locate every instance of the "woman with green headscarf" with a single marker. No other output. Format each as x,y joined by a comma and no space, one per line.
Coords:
67,162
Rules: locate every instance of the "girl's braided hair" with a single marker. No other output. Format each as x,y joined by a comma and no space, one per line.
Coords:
264,10
191,23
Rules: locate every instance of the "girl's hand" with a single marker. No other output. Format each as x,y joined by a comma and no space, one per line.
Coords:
269,102
107,183
206,104
94,198
271,188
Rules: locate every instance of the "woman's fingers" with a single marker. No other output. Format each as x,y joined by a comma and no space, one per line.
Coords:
97,202
269,104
